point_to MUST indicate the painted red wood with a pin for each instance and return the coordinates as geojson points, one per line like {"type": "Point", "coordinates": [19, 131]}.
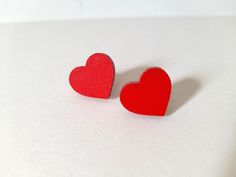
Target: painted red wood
{"type": "Point", "coordinates": [149, 96]}
{"type": "Point", "coordinates": [96, 78]}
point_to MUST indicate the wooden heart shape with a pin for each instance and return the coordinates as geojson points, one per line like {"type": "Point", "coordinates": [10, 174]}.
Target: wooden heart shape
{"type": "Point", "coordinates": [96, 78]}
{"type": "Point", "coordinates": [149, 96]}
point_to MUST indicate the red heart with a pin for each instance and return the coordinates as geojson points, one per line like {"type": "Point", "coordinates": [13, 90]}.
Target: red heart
{"type": "Point", "coordinates": [149, 96]}
{"type": "Point", "coordinates": [96, 78]}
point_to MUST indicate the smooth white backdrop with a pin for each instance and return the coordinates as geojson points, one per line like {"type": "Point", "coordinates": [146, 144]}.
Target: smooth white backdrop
{"type": "Point", "coordinates": [47, 130]}
{"type": "Point", "coordinates": [40, 10]}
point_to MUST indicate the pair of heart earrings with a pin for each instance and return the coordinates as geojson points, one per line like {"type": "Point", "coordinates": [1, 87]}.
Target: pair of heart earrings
{"type": "Point", "coordinates": [149, 96]}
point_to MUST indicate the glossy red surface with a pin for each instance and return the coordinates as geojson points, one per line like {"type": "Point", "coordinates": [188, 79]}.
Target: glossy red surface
{"type": "Point", "coordinates": [149, 96]}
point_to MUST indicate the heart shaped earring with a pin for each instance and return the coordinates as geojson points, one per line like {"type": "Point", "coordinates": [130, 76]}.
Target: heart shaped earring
{"type": "Point", "coordinates": [150, 95]}
{"type": "Point", "coordinates": [96, 78]}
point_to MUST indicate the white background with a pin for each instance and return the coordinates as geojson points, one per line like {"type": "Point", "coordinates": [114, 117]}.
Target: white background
{"type": "Point", "coordinates": [48, 130]}
{"type": "Point", "coordinates": [31, 10]}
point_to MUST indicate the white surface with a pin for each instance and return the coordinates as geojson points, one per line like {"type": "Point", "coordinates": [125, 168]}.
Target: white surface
{"type": "Point", "coordinates": [46, 129]}
{"type": "Point", "coordinates": [38, 10]}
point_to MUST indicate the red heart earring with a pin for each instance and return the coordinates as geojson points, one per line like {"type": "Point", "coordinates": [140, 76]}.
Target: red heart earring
{"type": "Point", "coordinates": [149, 96]}
{"type": "Point", "coordinates": [96, 78]}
